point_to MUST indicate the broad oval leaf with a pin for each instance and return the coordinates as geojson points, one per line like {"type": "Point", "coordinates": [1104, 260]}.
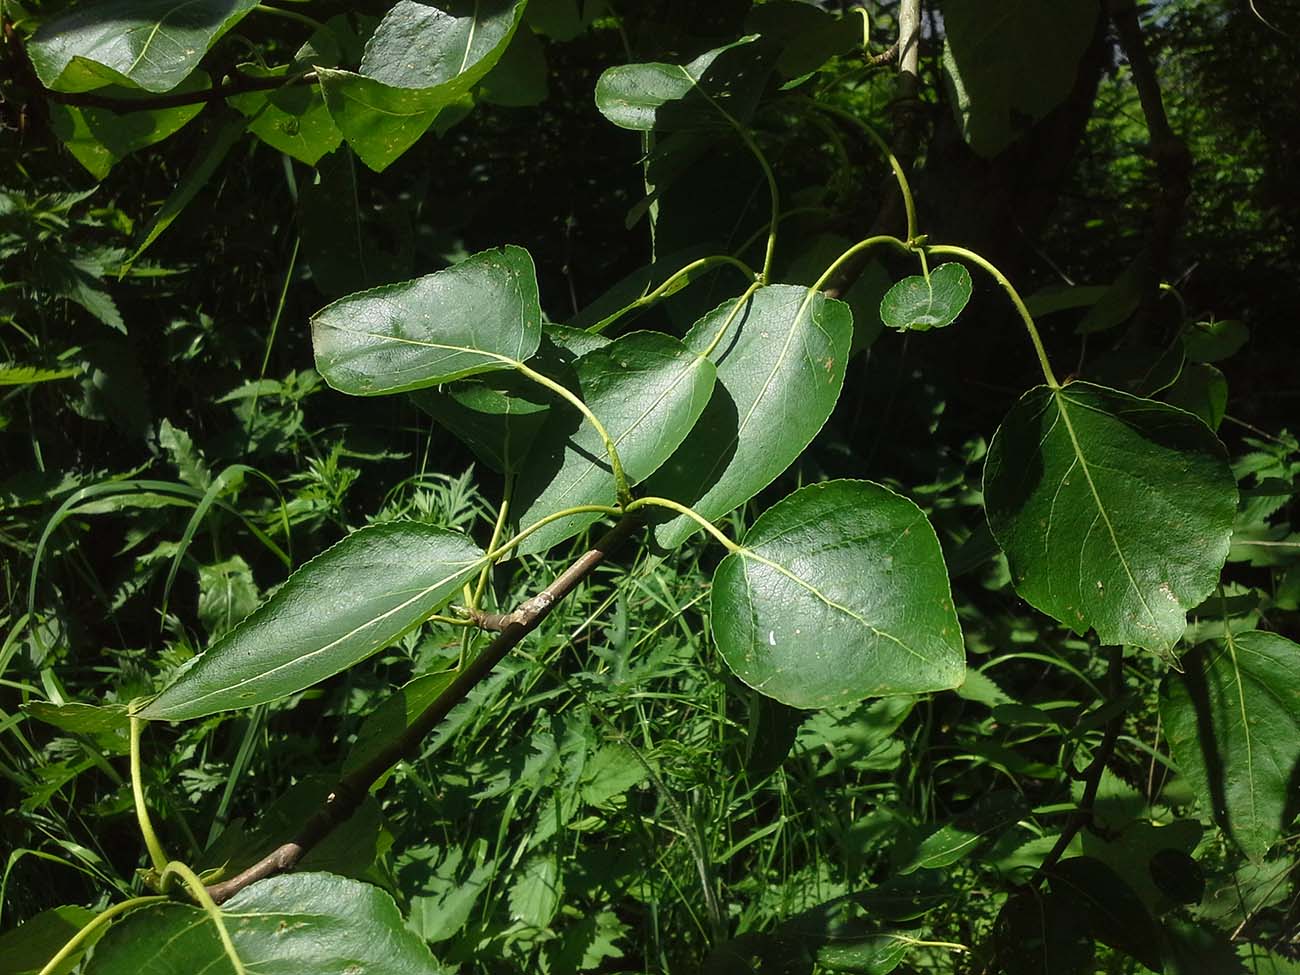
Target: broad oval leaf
{"type": "Point", "coordinates": [149, 44]}
{"type": "Point", "coordinates": [306, 922]}
{"type": "Point", "coordinates": [344, 605]}
{"type": "Point", "coordinates": [419, 61]}
{"type": "Point", "coordinates": [917, 304]}
{"type": "Point", "coordinates": [1114, 512]}
{"type": "Point", "coordinates": [1233, 722]}
{"type": "Point", "coordinates": [780, 371]}
{"type": "Point", "coordinates": [647, 389]}
{"type": "Point", "coordinates": [839, 593]}
{"type": "Point", "coordinates": [695, 95]}
{"type": "Point", "coordinates": [293, 119]}
{"type": "Point", "coordinates": [476, 316]}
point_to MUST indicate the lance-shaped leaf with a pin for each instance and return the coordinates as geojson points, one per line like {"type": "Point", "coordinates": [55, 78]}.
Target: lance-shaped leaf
{"type": "Point", "coordinates": [476, 316]}
{"type": "Point", "coordinates": [918, 303]}
{"type": "Point", "coordinates": [1233, 722]}
{"type": "Point", "coordinates": [647, 389]}
{"type": "Point", "coordinates": [418, 61]}
{"type": "Point", "coordinates": [344, 605]}
{"type": "Point", "coordinates": [726, 81]}
{"type": "Point", "coordinates": [780, 370]}
{"type": "Point", "coordinates": [307, 922]}
{"type": "Point", "coordinates": [838, 593]}
{"type": "Point", "coordinates": [149, 44]}
{"type": "Point", "coordinates": [1114, 512]}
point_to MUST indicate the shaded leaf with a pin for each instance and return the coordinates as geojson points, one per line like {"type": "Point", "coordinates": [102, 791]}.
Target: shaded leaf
{"type": "Point", "coordinates": [1114, 512]}
{"type": "Point", "coordinates": [1212, 341]}
{"type": "Point", "coordinates": [780, 369]}
{"type": "Point", "coordinates": [98, 138]}
{"type": "Point", "coordinates": [305, 922]}
{"type": "Point", "coordinates": [293, 118]}
{"type": "Point", "coordinates": [1115, 915]}
{"type": "Point", "coordinates": [647, 389]}
{"type": "Point", "coordinates": [1233, 722]}
{"type": "Point", "coordinates": [476, 316]}
{"type": "Point", "coordinates": [1036, 933]}
{"type": "Point", "coordinates": [535, 895]}
{"type": "Point", "coordinates": [391, 719]}
{"type": "Point", "coordinates": [838, 593]}
{"type": "Point", "coordinates": [347, 603]}
{"type": "Point", "coordinates": [1202, 391]}
{"type": "Point", "coordinates": [26, 949]}
{"type": "Point", "coordinates": [918, 304]}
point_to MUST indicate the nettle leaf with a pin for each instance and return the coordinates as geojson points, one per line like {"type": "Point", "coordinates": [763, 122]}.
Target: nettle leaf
{"type": "Point", "coordinates": [986, 64]}
{"type": "Point", "coordinates": [660, 96]}
{"type": "Point", "coordinates": [419, 61]}
{"type": "Point", "coordinates": [306, 922]}
{"type": "Point", "coordinates": [347, 603]}
{"type": "Point", "coordinates": [476, 316]}
{"type": "Point", "coordinates": [1114, 512]}
{"type": "Point", "coordinates": [838, 593]}
{"type": "Point", "coordinates": [918, 304]}
{"type": "Point", "coordinates": [780, 371]}
{"type": "Point", "coordinates": [149, 44]}
{"type": "Point", "coordinates": [648, 390]}
{"type": "Point", "coordinates": [1233, 722]}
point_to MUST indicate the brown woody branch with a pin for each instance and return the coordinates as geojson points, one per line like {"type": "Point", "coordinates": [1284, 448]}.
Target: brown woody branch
{"type": "Point", "coordinates": [352, 788]}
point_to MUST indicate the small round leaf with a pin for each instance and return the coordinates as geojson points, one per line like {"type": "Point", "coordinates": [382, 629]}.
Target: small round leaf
{"type": "Point", "coordinates": [839, 593]}
{"type": "Point", "coordinates": [918, 304]}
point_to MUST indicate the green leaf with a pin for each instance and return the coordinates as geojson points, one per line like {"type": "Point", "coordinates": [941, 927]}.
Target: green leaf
{"type": "Point", "coordinates": [307, 922]}
{"type": "Point", "coordinates": [519, 79]}
{"type": "Point", "coordinates": [447, 896]}
{"type": "Point", "coordinates": [227, 593]}
{"type": "Point", "coordinates": [15, 375]}
{"type": "Point", "coordinates": [1115, 915]}
{"type": "Point", "coordinates": [1114, 512]}
{"type": "Point", "coordinates": [1037, 933]}
{"type": "Point", "coordinates": [1119, 300]}
{"type": "Point", "coordinates": [918, 304]}
{"type": "Point", "coordinates": [214, 149]}
{"type": "Point", "coordinates": [535, 896]}
{"type": "Point", "coordinates": [611, 772]}
{"type": "Point", "coordinates": [98, 138]}
{"type": "Point", "coordinates": [149, 44]}
{"type": "Point", "coordinates": [1233, 722]}
{"type": "Point", "coordinates": [563, 20]}
{"type": "Point", "coordinates": [476, 316]}
{"type": "Point", "coordinates": [696, 95]}
{"type": "Point", "coordinates": [292, 119]}
{"type": "Point", "coordinates": [808, 37]}
{"type": "Point", "coordinates": [780, 371]}
{"type": "Point", "coordinates": [839, 593]}
{"type": "Point", "coordinates": [418, 61]}
{"type": "Point", "coordinates": [108, 724]}
{"type": "Point", "coordinates": [26, 949]}
{"type": "Point", "coordinates": [349, 602]}
{"type": "Point", "coordinates": [1017, 60]}
{"type": "Point", "coordinates": [1212, 341]}
{"type": "Point", "coordinates": [1202, 391]}
{"type": "Point", "coordinates": [648, 390]}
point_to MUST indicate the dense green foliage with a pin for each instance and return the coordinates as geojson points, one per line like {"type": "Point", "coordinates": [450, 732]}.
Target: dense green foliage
{"type": "Point", "coordinates": [335, 338]}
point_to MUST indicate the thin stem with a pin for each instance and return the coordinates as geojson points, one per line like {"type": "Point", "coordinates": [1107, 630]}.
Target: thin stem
{"type": "Point", "coordinates": [157, 856]}
{"type": "Point", "coordinates": [577, 509]}
{"type": "Point", "coordinates": [497, 530]}
{"type": "Point", "coordinates": [731, 317]}
{"type": "Point", "coordinates": [311, 22]}
{"type": "Point", "coordinates": [671, 285]}
{"type": "Point", "coordinates": [621, 487]}
{"type": "Point", "coordinates": [56, 963]}
{"type": "Point", "coordinates": [1016, 300]}
{"type": "Point", "coordinates": [900, 175]}
{"type": "Point", "coordinates": [856, 249]}
{"type": "Point", "coordinates": [200, 892]}
{"type": "Point", "coordinates": [681, 509]}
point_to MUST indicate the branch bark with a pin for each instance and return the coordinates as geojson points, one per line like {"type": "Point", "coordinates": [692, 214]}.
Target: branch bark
{"type": "Point", "coordinates": [352, 788]}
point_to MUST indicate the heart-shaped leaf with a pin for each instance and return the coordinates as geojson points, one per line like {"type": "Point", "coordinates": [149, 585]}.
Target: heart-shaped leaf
{"type": "Point", "coordinates": [780, 370]}
{"type": "Point", "coordinates": [306, 922]}
{"type": "Point", "coordinates": [838, 593]}
{"type": "Point", "coordinates": [149, 44]}
{"type": "Point", "coordinates": [1114, 512]}
{"type": "Point", "coordinates": [344, 605]}
{"type": "Point", "coordinates": [918, 303]}
{"type": "Point", "coordinates": [293, 119]}
{"type": "Point", "coordinates": [1212, 341]}
{"type": "Point", "coordinates": [647, 389]}
{"type": "Point", "coordinates": [476, 316]}
{"type": "Point", "coordinates": [1233, 722]}
{"type": "Point", "coordinates": [419, 61]}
